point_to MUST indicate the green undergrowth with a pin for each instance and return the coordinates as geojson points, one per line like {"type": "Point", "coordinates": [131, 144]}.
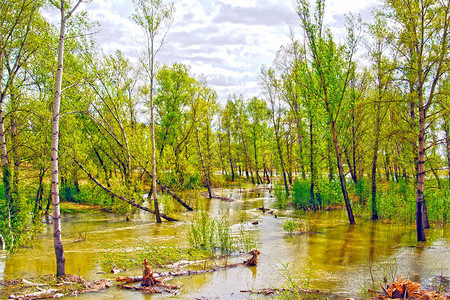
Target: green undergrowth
{"type": "Point", "coordinates": [207, 239]}
{"type": "Point", "coordinates": [216, 237]}
{"type": "Point", "coordinates": [396, 201]}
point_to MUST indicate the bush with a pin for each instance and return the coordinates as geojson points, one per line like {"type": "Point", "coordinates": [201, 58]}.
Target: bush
{"type": "Point", "coordinates": [301, 193]}
{"type": "Point", "coordinates": [280, 196]}
{"type": "Point", "coordinates": [214, 235]}
{"type": "Point", "coordinates": [329, 192]}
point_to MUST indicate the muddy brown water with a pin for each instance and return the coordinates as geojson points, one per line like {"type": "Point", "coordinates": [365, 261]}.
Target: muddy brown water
{"type": "Point", "coordinates": [343, 257]}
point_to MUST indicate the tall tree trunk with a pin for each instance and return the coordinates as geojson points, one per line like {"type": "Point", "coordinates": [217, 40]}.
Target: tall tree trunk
{"type": "Point", "coordinates": [152, 121]}
{"type": "Point", "coordinates": [280, 153]}
{"type": "Point", "coordinates": [247, 158]}
{"type": "Point", "coordinates": [15, 157]}
{"type": "Point", "coordinates": [330, 160]}
{"type": "Point", "coordinates": [447, 141]}
{"type": "Point", "coordinates": [230, 157]}
{"type": "Point", "coordinates": [348, 206]}
{"type": "Point", "coordinates": [375, 155]}
{"type": "Point", "coordinates": [6, 168]}
{"type": "Point", "coordinates": [59, 251]}
{"type": "Point", "coordinates": [420, 175]}
{"type": "Point", "coordinates": [208, 185]}
{"type": "Point", "coordinates": [311, 158]}
{"type": "Point", "coordinates": [350, 167]}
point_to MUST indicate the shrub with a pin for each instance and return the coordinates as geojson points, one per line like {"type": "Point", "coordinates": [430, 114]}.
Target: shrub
{"type": "Point", "coordinates": [280, 196]}
{"type": "Point", "coordinates": [301, 194]}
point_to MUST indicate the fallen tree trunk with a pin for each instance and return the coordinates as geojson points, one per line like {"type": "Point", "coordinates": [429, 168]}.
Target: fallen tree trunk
{"type": "Point", "coordinates": [253, 261]}
{"type": "Point", "coordinates": [131, 202]}
{"type": "Point", "coordinates": [163, 187]}
{"type": "Point", "coordinates": [166, 189]}
{"type": "Point", "coordinates": [213, 196]}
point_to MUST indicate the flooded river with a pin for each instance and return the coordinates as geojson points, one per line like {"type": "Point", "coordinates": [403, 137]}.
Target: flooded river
{"type": "Point", "coordinates": [341, 257]}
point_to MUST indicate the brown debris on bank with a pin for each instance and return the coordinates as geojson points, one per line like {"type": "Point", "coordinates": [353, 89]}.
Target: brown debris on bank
{"type": "Point", "coordinates": [153, 282]}
{"type": "Point", "coordinates": [50, 287]}
{"type": "Point", "coordinates": [406, 289]}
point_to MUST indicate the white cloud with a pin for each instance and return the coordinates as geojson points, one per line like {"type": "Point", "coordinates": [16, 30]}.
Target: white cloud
{"type": "Point", "coordinates": [226, 40]}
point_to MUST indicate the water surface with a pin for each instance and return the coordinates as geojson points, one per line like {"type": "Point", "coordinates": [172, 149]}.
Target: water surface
{"type": "Point", "coordinates": [341, 257]}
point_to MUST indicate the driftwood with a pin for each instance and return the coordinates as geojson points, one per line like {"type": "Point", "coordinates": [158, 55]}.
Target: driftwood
{"type": "Point", "coordinates": [69, 285]}
{"type": "Point", "coordinates": [214, 196]}
{"type": "Point", "coordinates": [150, 284]}
{"type": "Point", "coordinates": [50, 293]}
{"type": "Point", "coordinates": [149, 279]}
{"type": "Point", "coordinates": [253, 261]}
{"type": "Point", "coordinates": [131, 202]}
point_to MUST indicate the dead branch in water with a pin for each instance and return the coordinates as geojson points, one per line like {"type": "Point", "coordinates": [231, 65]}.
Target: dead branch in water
{"type": "Point", "coordinates": [214, 196]}
{"type": "Point", "coordinates": [253, 261]}
{"type": "Point", "coordinates": [131, 202]}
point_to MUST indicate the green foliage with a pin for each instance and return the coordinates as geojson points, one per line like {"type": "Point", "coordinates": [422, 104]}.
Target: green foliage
{"type": "Point", "coordinates": [193, 182]}
{"type": "Point", "coordinates": [290, 225]}
{"type": "Point", "coordinates": [201, 232]}
{"type": "Point", "coordinates": [363, 190]}
{"type": "Point", "coordinates": [438, 205]}
{"type": "Point", "coordinates": [246, 239]}
{"type": "Point", "coordinates": [281, 198]}
{"type": "Point", "coordinates": [301, 194]}
{"type": "Point", "coordinates": [397, 202]}
{"type": "Point", "coordinates": [329, 192]}
{"type": "Point", "coordinates": [214, 235]}
{"type": "Point", "coordinates": [297, 283]}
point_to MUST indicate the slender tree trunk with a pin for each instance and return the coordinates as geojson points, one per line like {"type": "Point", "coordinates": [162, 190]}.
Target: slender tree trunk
{"type": "Point", "coordinates": [6, 168]}
{"type": "Point", "coordinates": [311, 158]}
{"type": "Point", "coordinates": [447, 141]}
{"type": "Point", "coordinates": [420, 176]}
{"type": "Point", "coordinates": [15, 157]}
{"type": "Point", "coordinates": [230, 157]}
{"type": "Point", "coordinates": [152, 121]}
{"type": "Point", "coordinates": [375, 157]}
{"type": "Point", "coordinates": [247, 158]}
{"type": "Point", "coordinates": [330, 161]}
{"type": "Point", "coordinates": [280, 153]}
{"type": "Point", "coordinates": [59, 251]}
{"type": "Point", "coordinates": [350, 167]}
{"type": "Point", "coordinates": [266, 173]}
{"type": "Point", "coordinates": [208, 185]}
{"type": "Point", "coordinates": [341, 172]}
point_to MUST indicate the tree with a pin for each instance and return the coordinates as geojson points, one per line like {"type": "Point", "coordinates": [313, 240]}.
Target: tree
{"type": "Point", "coordinates": [18, 21]}
{"type": "Point", "coordinates": [270, 86]}
{"type": "Point", "coordinates": [66, 13]}
{"type": "Point", "coordinates": [422, 40]}
{"type": "Point", "coordinates": [383, 69]}
{"type": "Point", "coordinates": [334, 68]}
{"type": "Point", "coordinates": [155, 18]}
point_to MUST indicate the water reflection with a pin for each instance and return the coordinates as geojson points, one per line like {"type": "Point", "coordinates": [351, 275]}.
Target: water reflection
{"type": "Point", "coordinates": [341, 254]}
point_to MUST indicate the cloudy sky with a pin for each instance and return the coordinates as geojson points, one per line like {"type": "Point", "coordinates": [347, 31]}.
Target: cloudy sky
{"type": "Point", "coordinates": [227, 41]}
